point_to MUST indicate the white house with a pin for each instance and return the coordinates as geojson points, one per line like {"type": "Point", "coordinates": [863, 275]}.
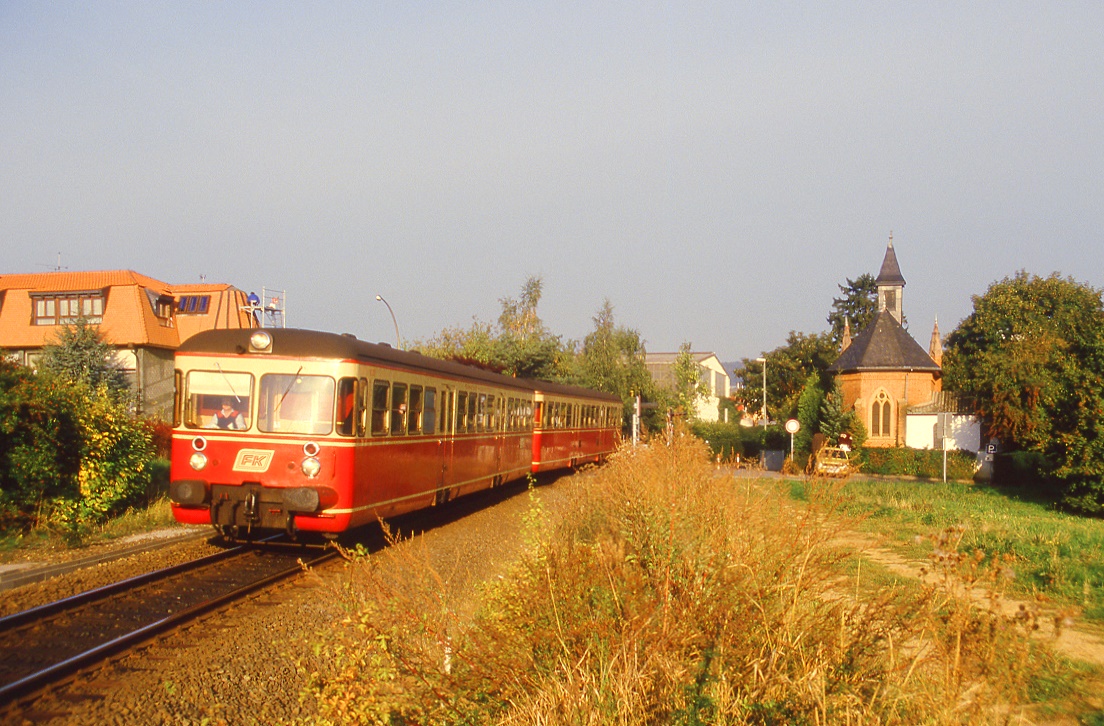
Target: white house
{"type": "Point", "coordinates": [661, 367]}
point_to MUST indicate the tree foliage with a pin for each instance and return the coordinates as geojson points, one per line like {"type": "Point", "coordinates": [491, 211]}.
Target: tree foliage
{"type": "Point", "coordinates": [1031, 356]}
{"type": "Point", "coordinates": [71, 454]}
{"type": "Point", "coordinates": [611, 359]}
{"type": "Point", "coordinates": [788, 367]}
{"type": "Point", "coordinates": [80, 354]}
{"type": "Point", "coordinates": [857, 306]}
{"type": "Point", "coordinates": [808, 412]}
{"type": "Point", "coordinates": [689, 386]}
{"type": "Point", "coordinates": [519, 344]}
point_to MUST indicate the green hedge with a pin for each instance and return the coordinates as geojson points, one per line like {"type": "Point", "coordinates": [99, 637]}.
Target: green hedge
{"type": "Point", "coordinates": [729, 439]}
{"type": "Point", "coordinates": [922, 463]}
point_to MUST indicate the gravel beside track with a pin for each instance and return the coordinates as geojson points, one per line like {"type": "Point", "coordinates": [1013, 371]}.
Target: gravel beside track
{"type": "Point", "coordinates": [238, 666]}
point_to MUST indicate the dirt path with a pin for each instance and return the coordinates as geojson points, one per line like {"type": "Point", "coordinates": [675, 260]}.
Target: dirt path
{"type": "Point", "coordinates": [1079, 641]}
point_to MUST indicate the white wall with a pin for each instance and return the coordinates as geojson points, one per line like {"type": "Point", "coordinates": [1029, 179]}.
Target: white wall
{"type": "Point", "coordinates": [920, 432]}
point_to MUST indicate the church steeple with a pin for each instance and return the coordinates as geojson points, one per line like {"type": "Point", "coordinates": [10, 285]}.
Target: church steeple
{"type": "Point", "coordinates": [935, 349]}
{"type": "Point", "coordinates": [890, 283]}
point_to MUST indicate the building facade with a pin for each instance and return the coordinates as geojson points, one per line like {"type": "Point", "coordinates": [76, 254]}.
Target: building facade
{"type": "Point", "coordinates": [145, 320]}
{"type": "Point", "coordinates": [884, 372]}
{"type": "Point", "coordinates": [661, 366]}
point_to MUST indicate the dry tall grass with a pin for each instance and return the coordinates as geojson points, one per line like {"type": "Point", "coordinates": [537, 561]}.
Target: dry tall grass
{"type": "Point", "coordinates": [671, 595]}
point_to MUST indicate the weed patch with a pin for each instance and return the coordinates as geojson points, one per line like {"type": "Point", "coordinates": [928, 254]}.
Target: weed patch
{"type": "Point", "coordinates": [667, 594]}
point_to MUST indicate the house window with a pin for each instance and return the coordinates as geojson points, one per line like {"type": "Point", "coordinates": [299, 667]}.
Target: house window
{"type": "Point", "coordinates": [65, 309]}
{"type": "Point", "coordinates": [193, 304]}
{"type": "Point", "coordinates": [881, 416]}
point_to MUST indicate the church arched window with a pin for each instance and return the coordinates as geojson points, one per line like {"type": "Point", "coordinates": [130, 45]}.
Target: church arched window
{"type": "Point", "coordinates": [881, 416]}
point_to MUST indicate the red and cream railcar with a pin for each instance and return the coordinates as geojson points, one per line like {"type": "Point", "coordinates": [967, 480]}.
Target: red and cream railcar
{"type": "Point", "coordinates": [303, 430]}
{"type": "Point", "coordinates": [571, 428]}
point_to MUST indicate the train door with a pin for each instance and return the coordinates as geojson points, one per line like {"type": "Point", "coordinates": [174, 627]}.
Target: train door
{"type": "Point", "coordinates": [538, 431]}
{"type": "Point", "coordinates": [446, 437]}
{"type": "Point", "coordinates": [495, 428]}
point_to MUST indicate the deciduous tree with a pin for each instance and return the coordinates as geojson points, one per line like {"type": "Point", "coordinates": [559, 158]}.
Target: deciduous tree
{"type": "Point", "coordinates": [788, 366]}
{"type": "Point", "coordinates": [519, 344]}
{"type": "Point", "coordinates": [611, 359]}
{"type": "Point", "coordinates": [689, 386]}
{"type": "Point", "coordinates": [1031, 355]}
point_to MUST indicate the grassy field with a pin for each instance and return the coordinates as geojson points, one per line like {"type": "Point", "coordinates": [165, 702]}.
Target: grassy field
{"type": "Point", "coordinates": [1051, 555]}
{"type": "Point", "coordinates": [671, 593]}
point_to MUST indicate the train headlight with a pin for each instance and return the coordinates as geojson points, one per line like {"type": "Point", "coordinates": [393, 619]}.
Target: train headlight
{"type": "Point", "coordinates": [198, 461]}
{"type": "Point", "coordinates": [260, 342]}
{"type": "Point", "coordinates": [311, 466]}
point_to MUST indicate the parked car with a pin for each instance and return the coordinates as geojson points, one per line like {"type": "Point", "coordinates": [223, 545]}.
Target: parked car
{"type": "Point", "coordinates": [833, 461]}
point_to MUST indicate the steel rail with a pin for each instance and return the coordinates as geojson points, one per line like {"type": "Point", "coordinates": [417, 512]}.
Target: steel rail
{"type": "Point", "coordinates": [9, 622]}
{"type": "Point", "coordinates": [72, 602]}
{"type": "Point", "coordinates": [35, 682]}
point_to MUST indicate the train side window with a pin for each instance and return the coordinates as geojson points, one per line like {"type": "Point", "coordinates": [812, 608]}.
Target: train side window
{"type": "Point", "coordinates": [346, 406]}
{"type": "Point", "coordinates": [414, 422]}
{"type": "Point", "coordinates": [472, 405]}
{"type": "Point", "coordinates": [491, 418]}
{"type": "Point", "coordinates": [461, 411]}
{"type": "Point", "coordinates": [449, 410]}
{"type": "Point", "coordinates": [538, 413]}
{"type": "Point", "coordinates": [511, 414]}
{"type": "Point", "coordinates": [380, 407]}
{"type": "Point", "coordinates": [398, 408]}
{"type": "Point", "coordinates": [362, 407]}
{"type": "Point", "coordinates": [429, 411]}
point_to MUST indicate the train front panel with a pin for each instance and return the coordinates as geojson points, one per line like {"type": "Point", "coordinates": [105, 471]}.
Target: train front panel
{"type": "Point", "coordinates": [257, 444]}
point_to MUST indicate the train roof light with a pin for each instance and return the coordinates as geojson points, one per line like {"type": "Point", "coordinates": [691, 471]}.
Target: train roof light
{"type": "Point", "coordinates": [260, 342]}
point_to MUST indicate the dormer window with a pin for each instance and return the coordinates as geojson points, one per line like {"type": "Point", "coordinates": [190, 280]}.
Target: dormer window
{"type": "Point", "coordinates": [193, 304]}
{"type": "Point", "coordinates": [162, 307]}
{"type": "Point", "coordinates": [66, 308]}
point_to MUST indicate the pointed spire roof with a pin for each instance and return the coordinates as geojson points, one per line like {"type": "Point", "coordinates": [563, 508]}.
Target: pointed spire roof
{"type": "Point", "coordinates": [890, 273]}
{"type": "Point", "coordinates": [846, 343]}
{"type": "Point", "coordinates": [884, 345]}
{"type": "Point", "coordinates": [935, 348]}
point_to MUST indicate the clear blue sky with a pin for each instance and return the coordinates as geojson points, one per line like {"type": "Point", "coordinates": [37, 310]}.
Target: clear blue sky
{"type": "Point", "coordinates": [714, 169]}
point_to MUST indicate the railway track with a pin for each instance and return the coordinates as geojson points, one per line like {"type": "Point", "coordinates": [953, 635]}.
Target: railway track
{"type": "Point", "coordinates": [48, 645]}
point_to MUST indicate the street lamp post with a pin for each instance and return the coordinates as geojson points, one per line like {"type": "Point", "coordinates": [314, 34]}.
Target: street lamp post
{"type": "Point", "coordinates": [764, 362]}
{"type": "Point", "coordinates": [398, 338]}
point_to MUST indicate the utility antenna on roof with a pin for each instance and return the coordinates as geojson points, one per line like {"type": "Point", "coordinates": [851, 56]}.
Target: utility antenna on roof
{"type": "Point", "coordinates": [57, 267]}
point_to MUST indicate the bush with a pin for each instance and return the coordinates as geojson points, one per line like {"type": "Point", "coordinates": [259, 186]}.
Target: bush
{"type": "Point", "coordinates": [71, 455]}
{"type": "Point", "coordinates": [729, 439]}
{"type": "Point", "coordinates": [922, 463]}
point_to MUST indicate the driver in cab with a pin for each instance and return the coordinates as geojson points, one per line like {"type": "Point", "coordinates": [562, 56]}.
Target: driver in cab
{"type": "Point", "coordinates": [228, 417]}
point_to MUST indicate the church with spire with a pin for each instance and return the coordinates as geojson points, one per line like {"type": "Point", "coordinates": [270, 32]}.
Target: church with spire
{"type": "Point", "coordinates": [883, 372]}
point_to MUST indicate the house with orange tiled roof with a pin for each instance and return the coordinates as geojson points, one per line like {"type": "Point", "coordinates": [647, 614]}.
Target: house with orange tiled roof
{"type": "Point", "coordinates": [144, 319]}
